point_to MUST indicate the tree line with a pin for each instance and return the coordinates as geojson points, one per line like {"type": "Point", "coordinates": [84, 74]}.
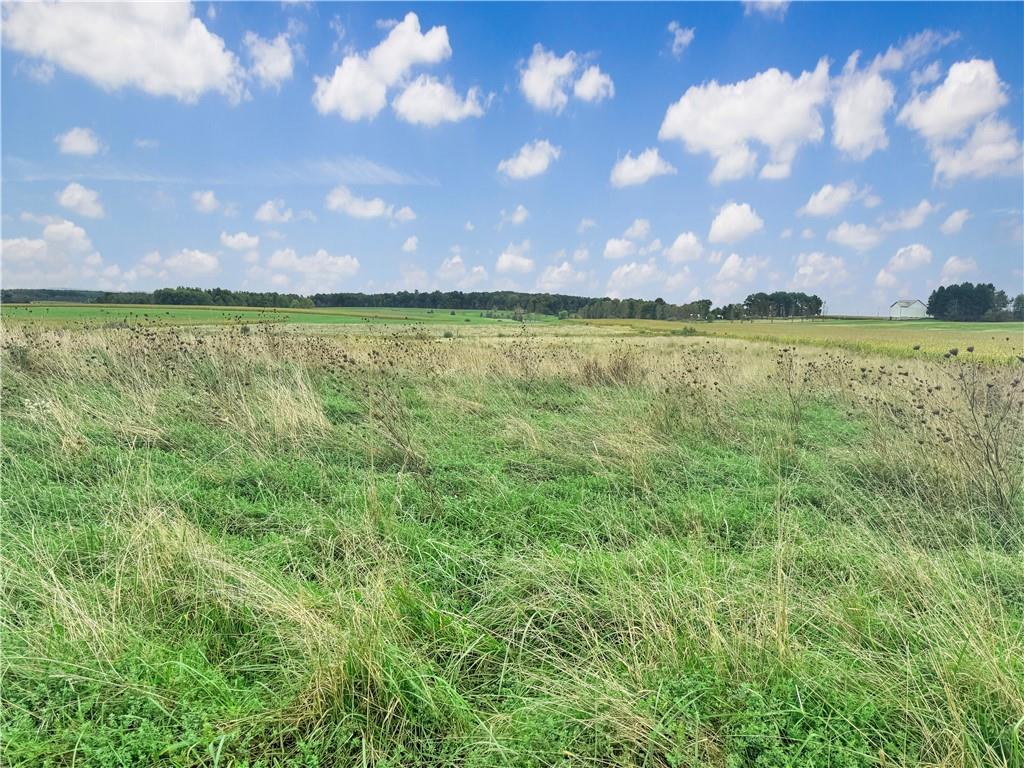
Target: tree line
{"type": "Point", "coordinates": [967, 302]}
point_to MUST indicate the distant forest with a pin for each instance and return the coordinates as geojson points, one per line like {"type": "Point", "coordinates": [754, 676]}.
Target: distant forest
{"type": "Point", "coordinates": [777, 304]}
{"type": "Point", "coordinates": [956, 302]}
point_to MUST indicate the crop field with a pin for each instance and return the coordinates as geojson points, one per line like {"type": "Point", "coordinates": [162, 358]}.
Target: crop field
{"type": "Point", "coordinates": [504, 544]}
{"type": "Point", "coordinates": [906, 338]}
{"type": "Point", "coordinates": [148, 315]}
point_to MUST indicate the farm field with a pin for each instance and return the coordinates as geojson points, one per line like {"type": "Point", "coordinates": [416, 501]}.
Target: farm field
{"type": "Point", "coordinates": [998, 341]}
{"type": "Point", "coordinates": [498, 544]}
{"type": "Point", "coordinates": [148, 314]}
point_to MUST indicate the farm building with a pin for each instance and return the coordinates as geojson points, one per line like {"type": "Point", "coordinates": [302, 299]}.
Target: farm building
{"type": "Point", "coordinates": [907, 309]}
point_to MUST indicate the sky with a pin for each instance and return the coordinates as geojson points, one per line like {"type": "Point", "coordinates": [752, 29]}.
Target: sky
{"type": "Point", "coordinates": [863, 152]}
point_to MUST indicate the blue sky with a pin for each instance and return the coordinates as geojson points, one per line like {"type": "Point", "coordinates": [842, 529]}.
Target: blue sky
{"type": "Point", "coordinates": [674, 150]}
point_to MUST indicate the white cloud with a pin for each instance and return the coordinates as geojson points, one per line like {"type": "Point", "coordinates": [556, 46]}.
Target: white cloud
{"type": "Point", "coordinates": [631, 276]}
{"type": "Point", "coordinates": [807, 233]}
{"type": "Point", "coordinates": [531, 160]}
{"type": "Point", "coordinates": [145, 143]}
{"type": "Point", "coordinates": [911, 218]}
{"type": "Point", "coordinates": [619, 248]}
{"type": "Point", "coordinates": [860, 237]}
{"type": "Point", "coordinates": [272, 60]}
{"type": "Point", "coordinates": [411, 244]}
{"type": "Point", "coordinates": [829, 200]}
{"type": "Point", "coordinates": [189, 262]}
{"type": "Point", "coordinates": [885, 278]}
{"type": "Point", "coordinates": [681, 37]}
{"type": "Point", "coordinates": [814, 270]}
{"type": "Point", "coordinates": [357, 90]}
{"type": "Point", "coordinates": [630, 170]}
{"type": "Point", "coordinates": [955, 221]}
{"type": "Point", "coordinates": [78, 141]}
{"type": "Point", "coordinates": [342, 200]}
{"type": "Point", "coordinates": [240, 241]}
{"type": "Point", "coordinates": [686, 247]}
{"type": "Point", "coordinates": [594, 85]}
{"type": "Point", "coordinates": [273, 212]}
{"type": "Point", "coordinates": [734, 222]}
{"type": "Point", "coordinates": [560, 278]}
{"type": "Point", "coordinates": [405, 214]}
{"type": "Point", "coordinates": [546, 79]}
{"type": "Point", "coordinates": [581, 254]}
{"type": "Point", "coordinates": [772, 108]}
{"type": "Point", "coordinates": [453, 272]}
{"type": "Point", "coordinates": [971, 90]}
{"type": "Point", "coordinates": [955, 268]}
{"type": "Point", "coordinates": [81, 200]}
{"type": "Point", "coordinates": [159, 48]}
{"type": "Point", "coordinates": [961, 107]}
{"type": "Point", "coordinates": [863, 98]}
{"type": "Point", "coordinates": [910, 257]}
{"type": "Point", "coordinates": [317, 272]}
{"type": "Point", "coordinates": [205, 201]}
{"type": "Point", "coordinates": [786, 233]}
{"type": "Point", "coordinates": [993, 149]}
{"type": "Point", "coordinates": [429, 101]}
{"type": "Point", "coordinates": [517, 217]}
{"type": "Point", "coordinates": [514, 259]}
{"type": "Point", "coordinates": [468, 226]}
{"type": "Point", "coordinates": [638, 230]}
{"type": "Point", "coordinates": [736, 268]}
{"type": "Point", "coordinates": [584, 225]}
{"type": "Point", "coordinates": [773, 9]}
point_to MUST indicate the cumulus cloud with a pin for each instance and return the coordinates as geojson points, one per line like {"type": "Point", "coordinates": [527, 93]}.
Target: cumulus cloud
{"type": "Point", "coordinates": [81, 200]}
{"type": "Point", "coordinates": [829, 200]}
{"type": "Point", "coordinates": [411, 244]}
{"type": "Point", "coordinates": [686, 247]}
{"type": "Point", "coordinates": [629, 170]}
{"type": "Point", "coordinates": [619, 248]}
{"type": "Point", "coordinates": [681, 37]}
{"type": "Point", "coordinates": [240, 241]}
{"type": "Point", "coordinates": [316, 272]}
{"type": "Point", "coordinates": [531, 160]}
{"type": "Point", "coordinates": [205, 201]}
{"type": "Point", "coordinates": [584, 225]}
{"type": "Point", "coordinates": [190, 262]}
{"type": "Point", "coordinates": [273, 212]}
{"type": "Point", "coordinates": [773, 108]}
{"type": "Point", "coordinates": [357, 90]}
{"type": "Point", "coordinates": [556, 279]}
{"type": "Point", "coordinates": [956, 268]}
{"type": "Point", "coordinates": [955, 221]}
{"type": "Point", "coordinates": [453, 272]}
{"type": "Point", "coordinates": [910, 257]}
{"type": "Point", "coordinates": [518, 215]}
{"type": "Point", "coordinates": [640, 229]}
{"type": "Point", "coordinates": [958, 121]}
{"type": "Point", "coordinates": [860, 237]}
{"type": "Point", "coordinates": [342, 200]}
{"type": "Point", "coordinates": [863, 98]}
{"type": "Point", "coordinates": [78, 141]}
{"type": "Point", "coordinates": [815, 270]}
{"type": "Point", "coordinates": [910, 218]}
{"type": "Point", "coordinates": [734, 222]}
{"type": "Point", "coordinates": [272, 60]}
{"type": "Point", "coordinates": [62, 255]}
{"type": "Point", "coordinates": [546, 78]}
{"type": "Point", "coordinates": [160, 48]}
{"type": "Point", "coordinates": [632, 276]}
{"type": "Point", "coordinates": [594, 85]}
{"type": "Point", "coordinates": [514, 259]}
{"type": "Point", "coordinates": [773, 9]}
{"type": "Point", "coordinates": [429, 101]}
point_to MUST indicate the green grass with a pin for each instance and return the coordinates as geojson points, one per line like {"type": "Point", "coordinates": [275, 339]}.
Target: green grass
{"type": "Point", "coordinates": [138, 314]}
{"type": "Point", "coordinates": [250, 551]}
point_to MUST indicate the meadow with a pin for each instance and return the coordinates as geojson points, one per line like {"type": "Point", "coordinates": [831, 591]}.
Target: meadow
{"type": "Point", "coordinates": [505, 544]}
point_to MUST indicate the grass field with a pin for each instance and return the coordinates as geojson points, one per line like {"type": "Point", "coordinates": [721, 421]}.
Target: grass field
{"type": "Point", "coordinates": [505, 545]}
{"type": "Point", "coordinates": [145, 314]}
{"type": "Point", "coordinates": [997, 341]}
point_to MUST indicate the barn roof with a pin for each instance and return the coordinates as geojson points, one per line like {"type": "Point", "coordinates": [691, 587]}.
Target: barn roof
{"type": "Point", "coordinates": [904, 303]}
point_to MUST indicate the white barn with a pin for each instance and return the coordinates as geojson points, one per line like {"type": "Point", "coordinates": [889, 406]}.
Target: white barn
{"type": "Point", "coordinates": [907, 309]}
